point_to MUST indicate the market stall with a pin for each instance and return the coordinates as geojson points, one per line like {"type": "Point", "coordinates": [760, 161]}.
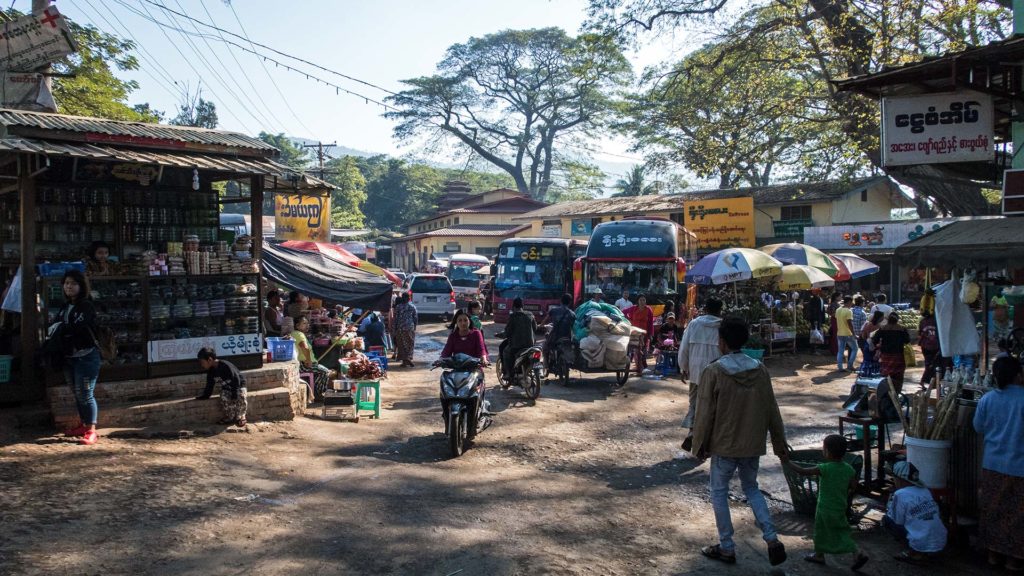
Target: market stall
{"type": "Point", "coordinates": [150, 195]}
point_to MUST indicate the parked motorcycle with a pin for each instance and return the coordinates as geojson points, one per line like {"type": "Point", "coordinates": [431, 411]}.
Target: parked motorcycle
{"type": "Point", "coordinates": [462, 400]}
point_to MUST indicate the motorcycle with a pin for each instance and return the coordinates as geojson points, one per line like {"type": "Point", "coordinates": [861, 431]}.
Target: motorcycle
{"type": "Point", "coordinates": [462, 400]}
{"type": "Point", "coordinates": [528, 371]}
{"type": "Point", "coordinates": [560, 359]}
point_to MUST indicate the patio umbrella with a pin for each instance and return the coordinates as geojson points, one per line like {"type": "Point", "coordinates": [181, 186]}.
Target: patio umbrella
{"type": "Point", "coordinates": [800, 277]}
{"type": "Point", "coordinates": [339, 254]}
{"type": "Point", "coordinates": [733, 265]}
{"type": "Point", "coordinates": [852, 266]}
{"type": "Point", "coordinates": [796, 253]}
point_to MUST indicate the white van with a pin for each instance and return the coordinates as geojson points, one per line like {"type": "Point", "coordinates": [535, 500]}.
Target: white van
{"type": "Point", "coordinates": [431, 294]}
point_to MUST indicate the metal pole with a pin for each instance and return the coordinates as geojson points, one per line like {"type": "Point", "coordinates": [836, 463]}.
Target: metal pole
{"type": "Point", "coordinates": [1016, 126]}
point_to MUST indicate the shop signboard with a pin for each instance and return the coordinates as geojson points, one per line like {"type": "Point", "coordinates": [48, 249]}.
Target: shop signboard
{"type": "Point", "coordinates": [302, 217]}
{"type": "Point", "coordinates": [34, 40]}
{"type": "Point", "coordinates": [26, 92]}
{"type": "Point", "coordinates": [188, 348]}
{"type": "Point", "coordinates": [937, 128]}
{"type": "Point", "coordinates": [584, 227]}
{"type": "Point", "coordinates": [551, 231]}
{"type": "Point", "coordinates": [724, 223]}
{"type": "Point", "coordinates": [887, 235]}
{"type": "Point", "coordinates": [1013, 192]}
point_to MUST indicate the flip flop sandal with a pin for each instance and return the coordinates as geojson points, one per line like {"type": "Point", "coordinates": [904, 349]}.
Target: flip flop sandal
{"type": "Point", "coordinates": [859, 563]}
{"type": "Point", "coordinates": [776, 553]}
{"type": "Point", "coordinates": [715, 553]}
{"type": "Point", "coordinates": [814, 559]}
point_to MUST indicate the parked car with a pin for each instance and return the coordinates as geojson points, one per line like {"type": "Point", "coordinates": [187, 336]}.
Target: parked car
{"type": "Point", "coordinates": [432, 294]}
{"type": "Point", "coordinates": [400, 273]}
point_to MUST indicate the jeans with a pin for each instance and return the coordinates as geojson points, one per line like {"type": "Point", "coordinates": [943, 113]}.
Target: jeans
{"type": "Point", "coordinates": [844, 342]}
{"type": "Point", "coordinates": [81, 373]}
{"type": "Point", "coordinates": [722, 469]}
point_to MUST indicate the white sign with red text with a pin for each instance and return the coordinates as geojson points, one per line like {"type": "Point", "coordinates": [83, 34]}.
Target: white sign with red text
{"type": "Point", "coordinates": [937, 128]}
{"type": "Point", "coordinates": [188, 348]}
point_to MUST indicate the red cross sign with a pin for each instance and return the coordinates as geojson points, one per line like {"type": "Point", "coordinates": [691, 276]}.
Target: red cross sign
{"type": "Point", "coordinates": [50, 19]}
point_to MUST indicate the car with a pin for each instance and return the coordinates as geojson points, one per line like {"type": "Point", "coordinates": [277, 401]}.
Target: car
{"type": "Point", "coordinates": [432, 294]}
{"type": "Point", "coordinates": [399, 273]}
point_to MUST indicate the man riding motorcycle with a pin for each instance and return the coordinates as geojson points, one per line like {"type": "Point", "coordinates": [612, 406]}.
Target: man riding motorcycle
{"type": "Point", "coordinates": [519, 333]}
{"type": "Point", "coordinates": [561, 319]}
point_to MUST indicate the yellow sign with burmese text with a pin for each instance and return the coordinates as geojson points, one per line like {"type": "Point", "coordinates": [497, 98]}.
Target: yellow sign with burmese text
{"type": "Point", "coordinates": [725, 223]}
{"type": "Point", "coordinates": [301, 217]}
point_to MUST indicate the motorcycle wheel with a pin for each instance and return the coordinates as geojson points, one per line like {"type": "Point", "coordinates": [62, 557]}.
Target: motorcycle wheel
{"type": "Point", "coordinates": [457, 434]}
{"type": "Point", "coordinates": [531, 386]}
{"type": "Point", "coordinates": [563, 371]}
{"type": "Point", "coordinates": [500, 369]}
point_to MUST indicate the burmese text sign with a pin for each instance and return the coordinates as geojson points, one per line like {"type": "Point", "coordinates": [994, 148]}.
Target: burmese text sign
{"type": "Point", "coordinates": [34, 40]}
{"type": "Point", "coordinates": [725, 223]}
{"type": "Point", "coordinates": [302, 217]}
{"type": "Point", "coordinates": [188, 348]}
{"type": "Point", "coordinates": [937, 128]}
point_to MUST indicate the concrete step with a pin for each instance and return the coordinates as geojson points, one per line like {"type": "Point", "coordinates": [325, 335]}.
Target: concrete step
{"type": "Point", "coordinates": [279, 403]}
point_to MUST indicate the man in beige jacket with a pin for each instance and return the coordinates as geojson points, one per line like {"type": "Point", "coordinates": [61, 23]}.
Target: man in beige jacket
{"type": "Point", "coordinates": [736, 409]}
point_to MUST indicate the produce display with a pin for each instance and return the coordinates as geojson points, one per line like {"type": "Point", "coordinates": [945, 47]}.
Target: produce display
{"type": "Point", "coordinates": [909, 318]}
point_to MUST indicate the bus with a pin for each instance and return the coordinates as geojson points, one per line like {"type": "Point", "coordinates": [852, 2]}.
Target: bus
{"type": "Point", "coordinates": [536, 270]}
{"type": "Point", "coordinates": [644, 255]}
{"type": "Point", "coordinates": [462, 273]}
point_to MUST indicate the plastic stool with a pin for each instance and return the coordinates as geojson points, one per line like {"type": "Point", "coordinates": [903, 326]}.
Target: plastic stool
{"type": "Point", "coordinates": [378, 350]}
{"type": "Point", "coordinates": [362, 404]}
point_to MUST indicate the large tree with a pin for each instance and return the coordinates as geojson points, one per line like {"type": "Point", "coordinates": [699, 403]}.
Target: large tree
{"type": "Point", "coordinates": [350, 193]}
{"type": "Point", "coordinates": [826, 40]}
{"type": "Point", "coordinates": [196, 111]}
{"type": "Point", "coordinates": [514, 98]}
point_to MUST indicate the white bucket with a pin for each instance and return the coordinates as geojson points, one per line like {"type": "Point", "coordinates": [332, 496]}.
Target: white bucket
{"type": "Point", "coordinates": [931, 458]}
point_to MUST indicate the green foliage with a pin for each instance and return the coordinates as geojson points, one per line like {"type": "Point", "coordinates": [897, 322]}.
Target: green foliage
{"type": "Point", "coordinates": [784, 55]}
{"type": "Point", "coordinates": [347, 200]}
{"type": "Point", "coordinates": [196, 111]}
{"type": "Point", "coordinates": [93, 88]}
{"type": "Point", "coordinates": [291, 155]}
{"type": "Point", "coordinates": [634, 184]}
{"type": "Point", "coordinates": [576, 180]}
{"type": "Point", "coordinates": [513, 98]}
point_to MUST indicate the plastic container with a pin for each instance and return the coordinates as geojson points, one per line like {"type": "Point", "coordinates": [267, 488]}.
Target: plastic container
{"type": "Point", "coordinates": [931, 457]}
{"type": "Point", "coordinates": [5, 368]}
{"type": "Point", "coordinates": [281, 350]}
{"type": "Point", "coordinates": [755, 353]}
{"type": "Point", "coordinates": [58, 268]}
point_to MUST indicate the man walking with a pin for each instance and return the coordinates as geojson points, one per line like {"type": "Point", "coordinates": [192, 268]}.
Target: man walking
{"type": "Point", "coordinates": [846, 335]}
{"type": "Point", "coordinates": [697, 349]}
{"type": "Point", "coordinates": [736, 410]}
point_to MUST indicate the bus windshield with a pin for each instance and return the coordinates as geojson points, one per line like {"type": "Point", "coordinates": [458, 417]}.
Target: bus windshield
{"type": "Point", "coordinates": [464, 275]}
{"type": "Point", "coordinates": [539, 268]}
{"type": "Point", "coordinates": [651, 278]}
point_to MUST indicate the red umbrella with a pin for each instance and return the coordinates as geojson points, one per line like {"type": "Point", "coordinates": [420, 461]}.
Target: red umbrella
{"type": "Point", "coordinates": [338, 253]}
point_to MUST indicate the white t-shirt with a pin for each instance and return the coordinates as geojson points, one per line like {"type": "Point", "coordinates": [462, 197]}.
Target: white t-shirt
{"type": "Point", "coordinates": [914, 508]}
{"type": "Point", "coordinates": [622, 303]}
{"type": "Point", "coordinates": [885, 308]}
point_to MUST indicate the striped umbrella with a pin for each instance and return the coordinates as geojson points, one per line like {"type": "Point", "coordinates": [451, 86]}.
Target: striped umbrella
{"type": "Point", "coordinates": [800, 277]}
{"type": "Point", "coordinates": [733, 265]}
{"type": "Point", "coordinates": [852, 266]}
{"type": "Point", "coordinates": [796, 253]}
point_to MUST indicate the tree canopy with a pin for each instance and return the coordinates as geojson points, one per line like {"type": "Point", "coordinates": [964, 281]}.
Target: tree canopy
{"type": "Point", "coordinates": [291, 155]}
{"type": "Point", "coordinates": [806, 44]}
{"type": "Point", "coordinates": [514, 98]}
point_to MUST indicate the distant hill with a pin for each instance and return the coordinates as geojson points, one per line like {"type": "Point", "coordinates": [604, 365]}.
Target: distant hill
{"type": "Point", "coordinates": [337, 151]}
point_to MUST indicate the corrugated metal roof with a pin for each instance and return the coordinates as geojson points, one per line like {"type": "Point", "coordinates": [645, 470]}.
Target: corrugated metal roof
{"type": "Point", "coordinates": [993, 243]}
{"type": "Point", "coordinates": [283, 177]}
{"type": "Point", "coordinates": [469, 230]}
{"type": "Point", "coordinates": [643, 205]}
{"type": "Point", "coordinates": [100, 129]}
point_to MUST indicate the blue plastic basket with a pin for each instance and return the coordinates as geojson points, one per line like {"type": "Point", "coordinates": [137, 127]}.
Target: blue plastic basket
{"type": "Point", "coordinates": [58, 268]}
{"type": "Point", "coordinates": [281, 350]}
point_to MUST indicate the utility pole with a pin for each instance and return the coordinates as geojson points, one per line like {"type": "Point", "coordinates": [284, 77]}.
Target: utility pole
{"type": "Point", "coordinates": [1017, 125]}
{"type": "Point", "coordinates": [39, 6]}
{"type": "Point", "coordinates": [320, 153]}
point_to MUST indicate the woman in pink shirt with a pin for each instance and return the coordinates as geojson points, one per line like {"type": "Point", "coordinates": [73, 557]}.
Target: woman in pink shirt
{"type": "Point", "coordinates": [465, 339]}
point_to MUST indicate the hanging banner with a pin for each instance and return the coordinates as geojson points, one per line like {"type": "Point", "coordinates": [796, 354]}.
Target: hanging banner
{"type": "Point", "coordinates": [551, 230]}
{"type": "Point", "coordinates": [937, 128]}
{"type": "Point", "coordinates": [26, 92]}
{"type": "Point", "coordinates": [298, 217]}
{"type": "Point", "coordinates": [34, 40]}
{"type": "Point", "coordinates": [726, 223]}
{"type": "Point", "coordinates": [854, 237]}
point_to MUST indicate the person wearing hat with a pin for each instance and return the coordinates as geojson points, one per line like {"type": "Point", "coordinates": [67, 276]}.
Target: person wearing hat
{"type": "Point", "coordinates": [597, 295]}
{"type": "Point", "coordinates": [913, 516]}
{"type": "Point", "coordinates": [670, 329]}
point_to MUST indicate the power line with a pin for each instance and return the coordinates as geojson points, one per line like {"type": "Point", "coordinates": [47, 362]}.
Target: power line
{"type": "Point", "coordinates": [264, 66]}
{"type": "Point", "coordinates": [265, 47]}
{"type": "Point", "coordinates": [189, 63]}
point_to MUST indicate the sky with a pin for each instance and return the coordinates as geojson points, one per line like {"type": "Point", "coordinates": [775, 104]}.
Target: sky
{"type": "Point", "coordinates": [378, 42]}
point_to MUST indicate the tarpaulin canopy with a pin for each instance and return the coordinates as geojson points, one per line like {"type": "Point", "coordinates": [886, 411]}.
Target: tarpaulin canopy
{"type": "Point", "coordinates": [319, 276]}
{"type": "Point", "coordinates": [338, 253]}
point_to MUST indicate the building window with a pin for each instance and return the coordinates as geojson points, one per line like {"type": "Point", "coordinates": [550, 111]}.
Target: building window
{"type": "Point", "coordinates": [456, 220]}
{"type": "Point", "coordinates": [594, 222]}
{"type": "Point", "coordinates": [802, 212]}
{"type": "Point", "coordinates": [864, 195]}
{"type": "Point", "coordinates": [678, 218]}
{"type": "Point", "coordinates": [489, 252]}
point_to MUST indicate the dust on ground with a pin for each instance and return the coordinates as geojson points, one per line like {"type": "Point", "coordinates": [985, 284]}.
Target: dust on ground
{"type": "Point", "coordinates": [583, 482]}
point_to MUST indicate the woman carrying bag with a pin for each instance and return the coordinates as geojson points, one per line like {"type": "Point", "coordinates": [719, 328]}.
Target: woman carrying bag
{"type": "Point", "coordinates": [81, 354]}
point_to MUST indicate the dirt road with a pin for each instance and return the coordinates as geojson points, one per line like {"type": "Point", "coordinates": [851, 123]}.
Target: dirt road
{"type": "Point", "coordinates": [583, 482]}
